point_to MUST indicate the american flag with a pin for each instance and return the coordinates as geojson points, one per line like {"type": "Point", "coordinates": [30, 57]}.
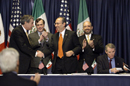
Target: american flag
{"type": "Point", "coordinates": [64, 12]}
{"type": "Point", "coordinates": [15, 17]}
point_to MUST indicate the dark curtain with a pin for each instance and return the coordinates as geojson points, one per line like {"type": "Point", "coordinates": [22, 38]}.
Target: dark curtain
{"type": "Point", "coordinates": [110, 19]}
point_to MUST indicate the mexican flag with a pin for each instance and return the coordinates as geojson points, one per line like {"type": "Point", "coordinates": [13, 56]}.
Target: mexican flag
{"type": "Point", "coordinates": [94, 64]}
{"type": "Point", "coordinates": [82, 17]}
{"type": "Point", "coordinates": [38, 12]}
{"type": "Point", "coordinates": [2, 36]}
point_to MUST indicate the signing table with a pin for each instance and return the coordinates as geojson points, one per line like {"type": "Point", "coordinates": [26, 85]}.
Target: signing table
{"type": "Point", "coordinates": [83, 79]}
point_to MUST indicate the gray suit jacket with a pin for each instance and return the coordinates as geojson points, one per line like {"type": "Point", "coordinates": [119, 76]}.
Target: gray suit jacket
{"type": "Point", "coordinates": [33, 37]}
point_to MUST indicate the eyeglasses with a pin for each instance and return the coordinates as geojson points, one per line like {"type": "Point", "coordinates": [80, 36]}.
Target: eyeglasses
{"type": "Point", "coordinates": [56, 23]}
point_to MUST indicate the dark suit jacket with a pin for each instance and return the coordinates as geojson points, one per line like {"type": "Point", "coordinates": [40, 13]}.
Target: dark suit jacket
{"type": "Point", "coordinates": [70, 42]}
{"type": "Point", "coordinates": [103, 64]}
{"type": "Point", "coordinates": [89, 55]}
{"type": "Point", "coordinates": [11, 79]}
{"type": "Point", "coordinates": [33, 37]}
{"type": "Point", "coordinates": [19, 41]}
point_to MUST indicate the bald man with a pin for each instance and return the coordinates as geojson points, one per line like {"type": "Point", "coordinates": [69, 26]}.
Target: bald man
{"type": "Point", "coordinates": [92, 46]}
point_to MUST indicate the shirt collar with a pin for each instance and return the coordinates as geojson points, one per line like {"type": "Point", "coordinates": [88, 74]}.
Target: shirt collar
{"type": "Point", "coordinates": [89, 35]}
{"type": "Point", "coordinates": [24, 29]}
{"type": "Point", "coordinates": [63, 32]}
{"type": "Point", "coordinates": [109, 58]}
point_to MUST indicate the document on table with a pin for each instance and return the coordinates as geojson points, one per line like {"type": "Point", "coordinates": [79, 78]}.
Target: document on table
{"type": "Point", "coordinates": [120, 69]}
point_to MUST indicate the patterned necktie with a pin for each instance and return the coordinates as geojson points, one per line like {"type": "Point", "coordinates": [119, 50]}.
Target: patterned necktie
{"type": "Point", "coordinates": [60, 50]}
{"type": "Point", "coordinates": [110, 64]}
{"type": "Point", "coordinates": [88, 38]}
{"type": "Point", "coordinates": [27, 35]}
{"type": "Point", "coordinates": [40, 33]}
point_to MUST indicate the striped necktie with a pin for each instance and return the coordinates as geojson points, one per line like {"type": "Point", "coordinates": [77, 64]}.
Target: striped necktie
{"type": "Point", "coordinates": [27, 35]}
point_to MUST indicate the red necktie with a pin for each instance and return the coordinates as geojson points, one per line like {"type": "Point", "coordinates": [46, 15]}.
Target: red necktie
{"type": "Point", "coordinates": [60, 50]}
{"type": "Point", "coordinates": [110, 64]}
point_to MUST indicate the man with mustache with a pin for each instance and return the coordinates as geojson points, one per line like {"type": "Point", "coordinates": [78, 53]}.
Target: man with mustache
{"type": "Point", "coordinates": [92, 46]}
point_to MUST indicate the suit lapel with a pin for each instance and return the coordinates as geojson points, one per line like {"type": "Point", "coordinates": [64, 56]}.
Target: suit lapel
{"type": "Point", "coordinates": [84, 37]}
{"type": "Point", "coordinates": [117, 64]}
{"type": "Point", "coordinates": [37, 35]}
{"type": "Point", "coordinates": [92, 37]}
{"type": "Point", "coordinates": [25, 36]}
{"type": "Point", "coordinates": [49, 36]}
{"type": "Point", "coordinates": [106, 60]}
{"type": "Point", "coordinates": [65, 36]}
{"type": "Point", "coordinates": [57, 39]}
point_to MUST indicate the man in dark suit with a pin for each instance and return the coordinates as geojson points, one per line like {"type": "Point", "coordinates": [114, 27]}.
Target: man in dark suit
{"type": "Point", "coordinates": [109, 63]}
{"type": "Point", "coordinates": [38, 42]}
{"type": "Point", "coordinates": [9, 64]}
{"type": "Point", "coordinates": [65, 45]}
{"type": "Point", "coordinates": [92, 46]}
{"type": "Point", "coordinates": [19, 41]}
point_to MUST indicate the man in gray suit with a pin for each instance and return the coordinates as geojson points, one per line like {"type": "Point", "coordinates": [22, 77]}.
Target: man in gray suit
{"type": "Point", "coordinates": [40, 40]}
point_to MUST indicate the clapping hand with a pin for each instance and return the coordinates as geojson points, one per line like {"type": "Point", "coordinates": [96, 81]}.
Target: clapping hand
{"type": "Point", "coordinates": [45, 34]}
{"type": "Point", "coordinates": [36, 78]}
{"type": "Point", "coordinates": [84, 44]}
{"type": "Point", "coordinates": [41, 38]}
{"type": "Point", "coordinates": [91, 43]}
